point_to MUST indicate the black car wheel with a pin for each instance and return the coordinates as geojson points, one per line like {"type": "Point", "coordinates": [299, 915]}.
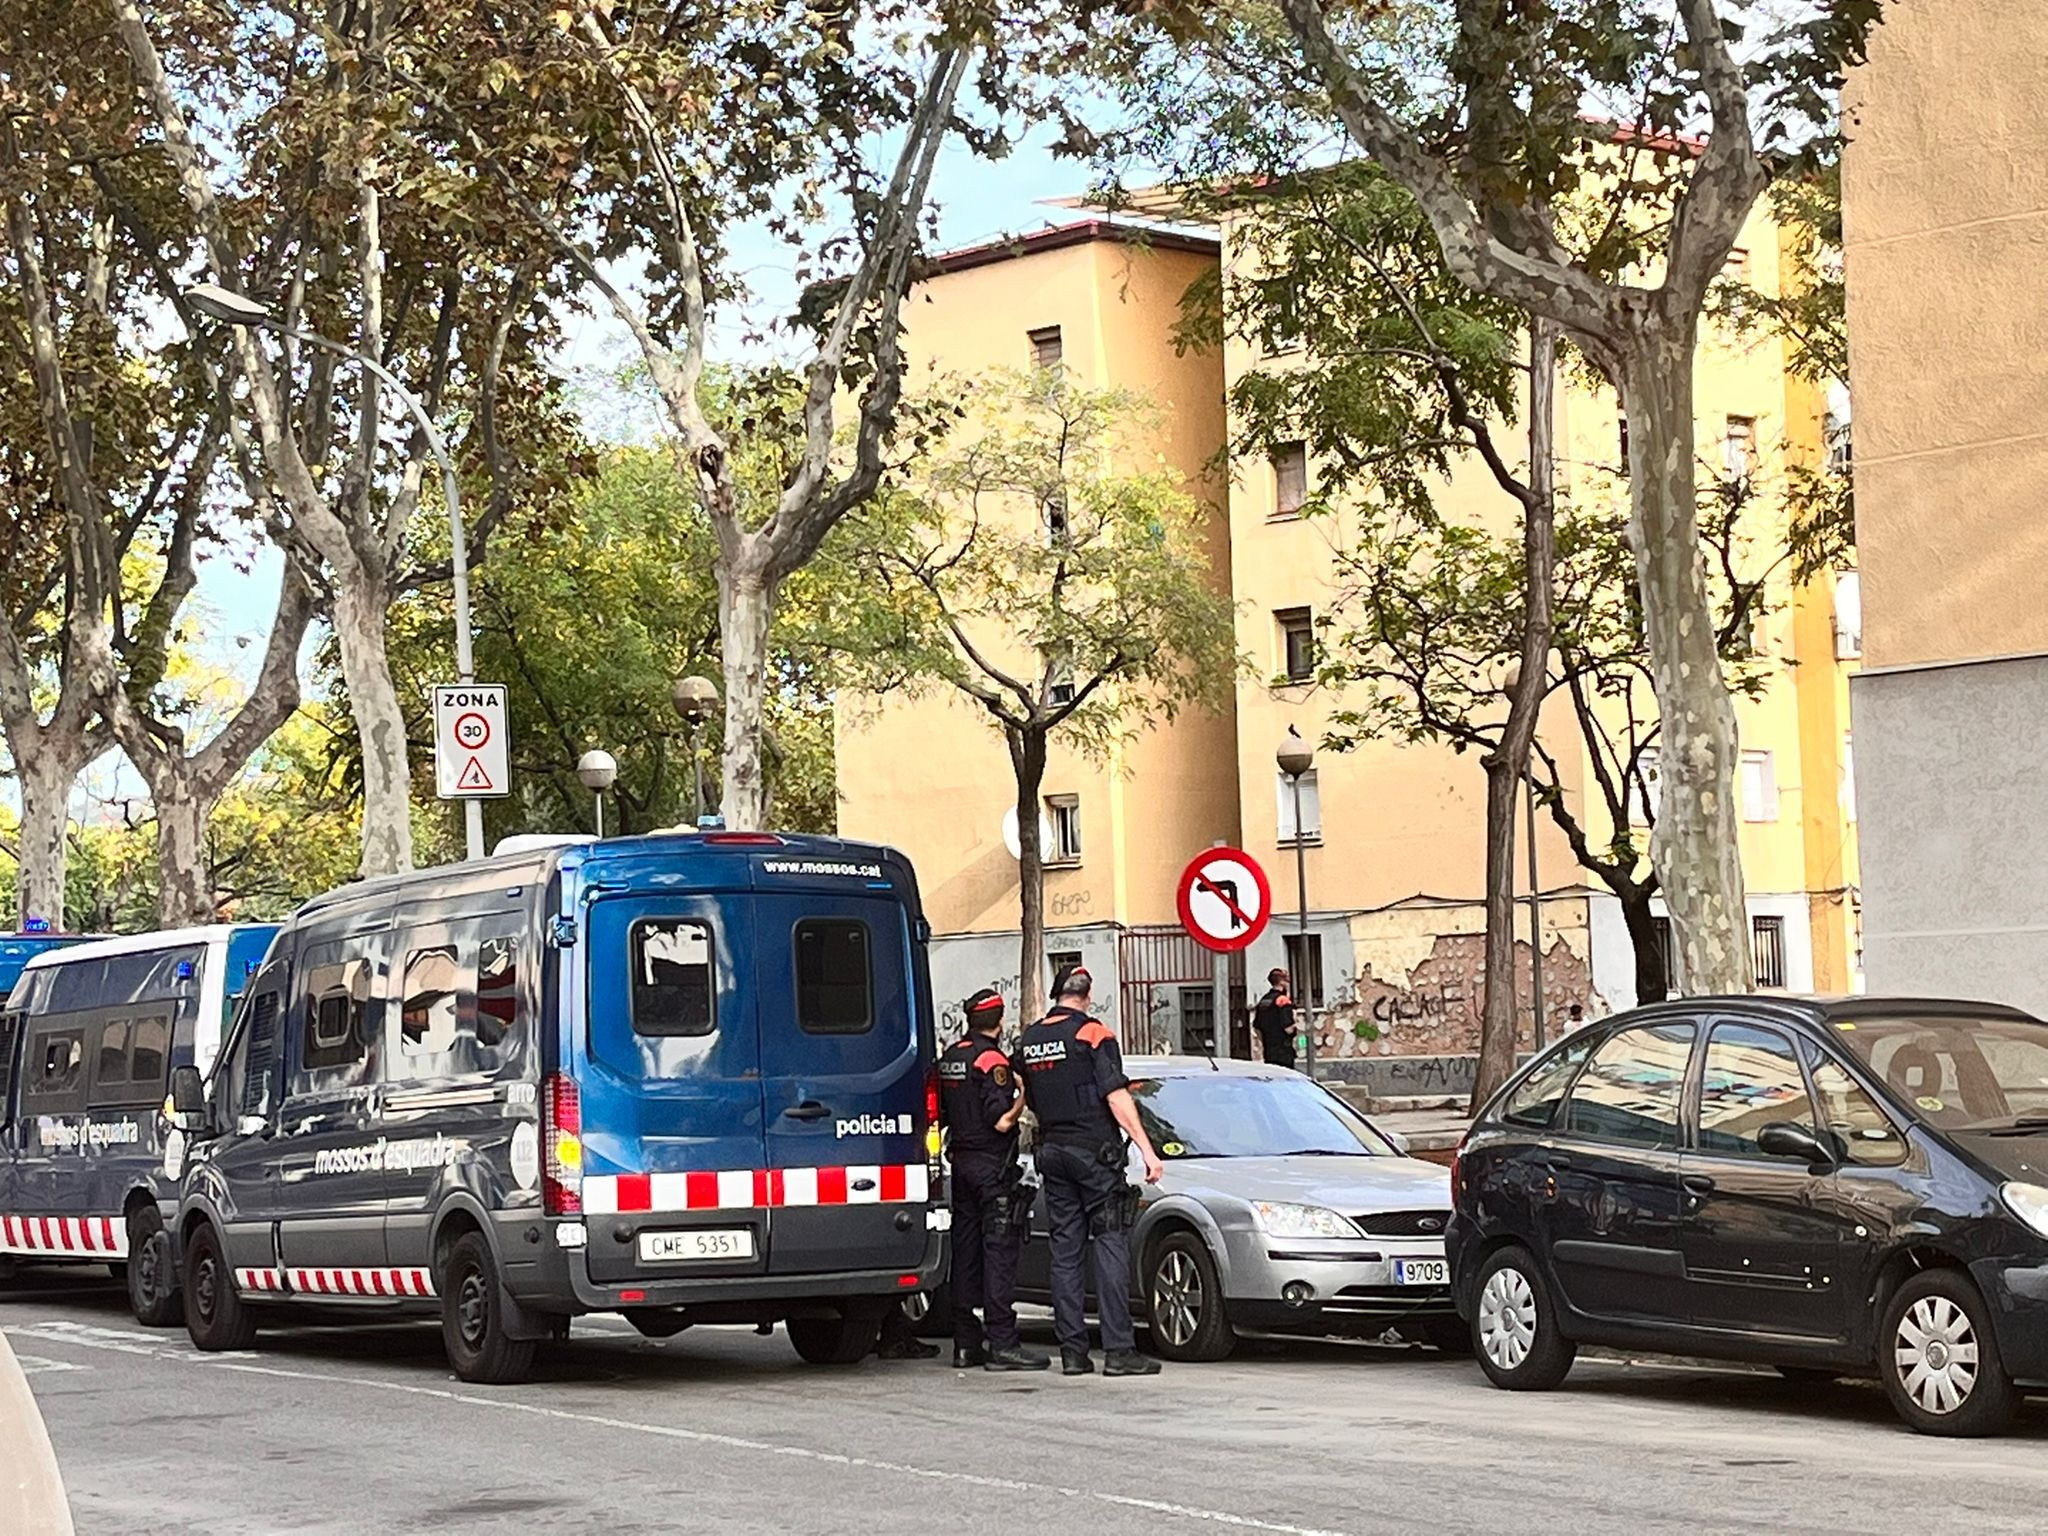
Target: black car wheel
{"type": "Point", "coordinates": [1514, 1325]}
{"type": "Point", "coordinates": [1184, 1300]}
{"type": "Point", "coordinates": [1939, 1361]}
{"type": "Point", "coordinates": [846, 1338]}
{"type": "Point", "coordinates": [473, 1318]}
{"type": "Point", "coordinates": [152, 1282]}
{"type": "Point", "coordinates": [214, 1314]}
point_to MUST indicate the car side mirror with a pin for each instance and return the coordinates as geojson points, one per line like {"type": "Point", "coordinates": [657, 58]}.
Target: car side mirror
{"type": "Point", "coordinates": [1400, 1142]}
{"type": "Point", "coordinates": [188, 1098]}
{"type": "Point", "coordinates": [1781, 1138]}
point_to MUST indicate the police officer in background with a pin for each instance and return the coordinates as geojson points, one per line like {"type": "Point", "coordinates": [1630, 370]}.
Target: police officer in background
{"type": "Point", "coordinates": [980, 1104]}
{"type": "Point", "coordinates": [1074, 1080]}
{"type": "Point", "coordinates": [1273, 1018]}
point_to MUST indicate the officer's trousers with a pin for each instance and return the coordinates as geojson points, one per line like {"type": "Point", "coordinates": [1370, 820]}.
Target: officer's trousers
{"type": "Point", "coordinates": [1079, 1190]}
{"type": "Point", "coordinates": [984, 1264]}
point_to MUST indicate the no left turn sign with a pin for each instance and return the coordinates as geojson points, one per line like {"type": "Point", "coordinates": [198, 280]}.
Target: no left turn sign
{"type": "Point", "coordinates": [1225, 902]}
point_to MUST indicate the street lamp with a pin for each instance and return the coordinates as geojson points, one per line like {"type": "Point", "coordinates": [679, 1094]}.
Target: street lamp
{"type": "Point", "coordinates": [598, 770]}
{"type": "Point", "coordinates": [696, 700]}
{"type": "Point", "coordinates": [1511, 680]}
{"type": "Point", "coordinates": [222, 304]}
{"type": "Point", "coordinates": [1295, 758]}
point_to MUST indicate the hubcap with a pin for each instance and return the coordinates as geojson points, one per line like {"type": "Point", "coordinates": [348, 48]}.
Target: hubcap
{"type": "Point", "coordinates": [150, 1267]}
{"type": "Point", "coordinates": [1936, 1354]}
{"type": "Point", "coordinates": [1507, 1318]}
{"type": "Point", "coordinates": [472, 1309]}
{"type": "Point", "coordinates": [203, 1283]}
{"type": "Point", "coordinates": [1177, 1297]}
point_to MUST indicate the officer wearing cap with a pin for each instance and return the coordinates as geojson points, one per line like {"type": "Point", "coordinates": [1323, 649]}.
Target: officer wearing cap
{"type": "Point", "coordinates": [979, 1104]}
{"type": "Point", "coordinates": [1074, 1079]}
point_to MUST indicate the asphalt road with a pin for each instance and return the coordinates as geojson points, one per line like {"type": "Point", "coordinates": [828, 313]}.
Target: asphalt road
{"type": "Point", "coordinates": [363, 1429]}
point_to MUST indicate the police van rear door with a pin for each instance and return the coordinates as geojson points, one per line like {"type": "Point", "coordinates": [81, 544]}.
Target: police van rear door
{"type": "Point", "coordinates": [842, 1071]}
{"type": "Point", "coordinates": [670, 1091]}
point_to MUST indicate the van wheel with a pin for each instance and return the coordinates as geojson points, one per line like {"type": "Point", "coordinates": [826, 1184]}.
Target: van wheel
{"type": "Point", "coordinates": [152, 1281]}
{"type": "Point", "coordinates": [1184, 1301]}
{"type": "Point", "coordinates": [1939, 1361]}
{"type": "Point", "coordinates": [1515, 1326]}
{"type": "Point", "coordinates": [846, 1339]}
{"type": "Point", "coordinates": [473, 1318]}
{"type": "Point", "coordinates": [215, 1316]}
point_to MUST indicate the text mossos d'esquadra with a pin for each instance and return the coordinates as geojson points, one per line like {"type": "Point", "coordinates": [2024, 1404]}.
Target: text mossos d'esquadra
{"type": "Point", "coordinates": [70, 1135]}
{"type": "Point", "coordinates": [382, 1155]}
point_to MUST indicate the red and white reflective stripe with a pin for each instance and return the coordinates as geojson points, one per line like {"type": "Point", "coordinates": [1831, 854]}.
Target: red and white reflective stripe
{"type": "Point", "coordinates": [65, 1237]}
{"type": "Point", "coordinates": [359, 1282]}
{"type": "Point", "coordinates": [259, 1280]}
{"type": "Point", "coordinates": [606, 1194]}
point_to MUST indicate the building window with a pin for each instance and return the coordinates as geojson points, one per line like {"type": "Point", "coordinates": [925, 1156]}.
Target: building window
{"type": "Point", "coordinates": [1757, 787]}
{"type": "Point", "coordinates": [1767, 943]}
{"type": "Point", "coordinates": [1057, 529]}
{"type": "Point", "coordinates": [1297, 629]}
{"type": "Point", "coordinates": [1847, 793]}
{"type": "Point", "coordinates": [1738, 450]}
{"type": "Point", "coordinates": [1290, 479]}
{"type": "Point", "coordinates": [1064, 812]}
{"type": "Point", "coordinates": [1311, 808]}
{"type": "Point", "coordinates": [1848, 616]}
{"type": "Point", "coordinates": [1046, 351]}
{"type": "Point", "coordinates": [1281, 331]}
{"type": "Point", "coordinates": [1059, 686]}
{"type": "Point", "coordinates": [1305, 968]}
{"type": "Point", "coordinates": [1667, 953]}
{"type": "Point", "coordinates": [1061, 960]}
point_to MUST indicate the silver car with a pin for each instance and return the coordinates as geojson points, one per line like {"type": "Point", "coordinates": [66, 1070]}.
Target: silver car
{"type": "Point", "coordinates": [1282, 1211]}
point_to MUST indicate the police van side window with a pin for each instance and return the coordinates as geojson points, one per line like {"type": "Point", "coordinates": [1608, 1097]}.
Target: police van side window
{"type": "Point", "coordinates": [497, 992]}
{"type": "Point", "coordinates": [427, 1013]}
{"type": "Point", "coordinates": [835, 988]}
{"type": "Point", "coordinates": [334, 1029]}
{"type": "Point", "coordinates": [130, 1060]}
{"type": "Point", "coordinates": [53, 1081]}
{"type": "Point", "coordinates": [673, 991]}
{"type": "Point", "coordinates": [10, 1046]}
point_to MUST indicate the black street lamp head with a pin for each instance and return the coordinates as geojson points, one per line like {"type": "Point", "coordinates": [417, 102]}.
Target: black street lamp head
{"type": "Point", "coordinates": [219, 303]}
{"type": "Point", "coordinates": [695, 698]}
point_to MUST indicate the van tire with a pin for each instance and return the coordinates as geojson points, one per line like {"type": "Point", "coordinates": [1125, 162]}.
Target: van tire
{"type": "Point", "coordinates": [846, 1339]}
{"type": "Point", "coordinates": [215, 1316]}
{"type": "Point", "coordinates": [473, 1318]}
{"type": "Point", "coordinates": [152, 1280]}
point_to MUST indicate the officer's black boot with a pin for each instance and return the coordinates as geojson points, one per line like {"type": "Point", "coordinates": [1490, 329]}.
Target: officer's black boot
{"type": "Point", "coordinates": [1128, 1362]}
{"type": "Point", "coordinates": [1075, 1362]}
{"type": "Point", "coordinates": [967, 1356]}
{"type": "Point", "coordinates": [1018, 1357]}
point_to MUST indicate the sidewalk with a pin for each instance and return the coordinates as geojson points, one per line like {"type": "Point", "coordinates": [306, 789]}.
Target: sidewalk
{"type": "Point", "coordinates": [1433, 1127]}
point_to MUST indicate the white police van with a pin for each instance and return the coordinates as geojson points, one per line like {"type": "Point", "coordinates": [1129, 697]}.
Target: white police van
{"type": "Point", "coordinates": [88, 1038]}
{"type": "Point", "coordinates": [684, 1078]}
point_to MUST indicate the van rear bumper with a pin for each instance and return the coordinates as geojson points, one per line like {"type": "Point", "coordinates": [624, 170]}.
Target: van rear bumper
{"type": "Point", "coordinates": [544, 1276]}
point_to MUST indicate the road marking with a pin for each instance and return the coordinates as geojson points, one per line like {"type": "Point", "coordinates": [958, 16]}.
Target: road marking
{"type": "Point", "coordinates": [35, 1365]}
{"type": "Point", "coordinates": [87, 1336]}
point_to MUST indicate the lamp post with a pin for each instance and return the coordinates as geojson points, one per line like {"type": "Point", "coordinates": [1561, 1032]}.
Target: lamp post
{"type": "Point", "coordinates": [219, 303]}
{"type": "Point", "coordinates": [696, 700]}
{"type": "Point", "coordinates": [1295, 758]}
{"type": "Point", "coordinates": [598, 770]}
{"type": "Point", "coordinates": [1510, 682]}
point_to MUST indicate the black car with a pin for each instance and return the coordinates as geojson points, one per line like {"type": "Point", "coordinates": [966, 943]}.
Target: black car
{"type": "Point", "coordinates": [1831, 1187]}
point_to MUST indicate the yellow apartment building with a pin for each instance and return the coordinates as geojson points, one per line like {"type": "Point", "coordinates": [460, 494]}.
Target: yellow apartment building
{"type": "Point", "coordinates": [1945, 212]}
{"type": "Point", "coordinates": [1394, 848]}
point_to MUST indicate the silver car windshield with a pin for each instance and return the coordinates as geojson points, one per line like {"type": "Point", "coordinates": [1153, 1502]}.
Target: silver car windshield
{"type": "Point", "coordinates": [1222, 1116]}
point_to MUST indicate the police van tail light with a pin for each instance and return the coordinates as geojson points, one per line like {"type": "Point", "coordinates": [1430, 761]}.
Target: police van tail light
{"type": "Point", "coordinates": [561, 1181]}
{"type": "Point", "coordinates": [931, 1111]}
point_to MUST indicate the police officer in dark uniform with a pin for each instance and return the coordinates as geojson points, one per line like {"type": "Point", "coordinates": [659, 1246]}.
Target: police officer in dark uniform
{"type": "Point", "coordinates": [1273, 1018]}
{"type": "Point", "coordinates": [979, 1104]}
{"type": "Point", "coordinates": [1074, 1079]}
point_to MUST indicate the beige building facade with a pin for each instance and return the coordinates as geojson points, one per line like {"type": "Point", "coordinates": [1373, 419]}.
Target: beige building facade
{"type": "Point", "coordinates": [1393, 852]}
{"type": "Point", "coordinates": [1945, 206]}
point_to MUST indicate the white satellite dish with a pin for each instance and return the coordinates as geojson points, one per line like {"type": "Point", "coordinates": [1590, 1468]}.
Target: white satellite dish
{"type": "Point", "coordinates": [1015, 844]}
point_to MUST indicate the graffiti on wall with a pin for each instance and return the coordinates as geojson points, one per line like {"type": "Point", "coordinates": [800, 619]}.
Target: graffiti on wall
{"type": "Point", "coordinates": [1433, 1010]}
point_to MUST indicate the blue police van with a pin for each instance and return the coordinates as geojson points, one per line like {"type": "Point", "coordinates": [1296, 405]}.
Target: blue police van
{"type": "Point", "coordinates": [88, 1039]}
{"type": "Point", "coordinates": [17, 949]}
{"type": "Point", "coordinates": [684, 1078]}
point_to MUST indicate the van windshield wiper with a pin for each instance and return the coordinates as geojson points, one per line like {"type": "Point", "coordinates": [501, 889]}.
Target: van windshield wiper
{"type": "Point", "coordinates": [2024, 1125]}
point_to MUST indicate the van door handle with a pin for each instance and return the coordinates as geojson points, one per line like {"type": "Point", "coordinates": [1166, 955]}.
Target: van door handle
{"type": "Point", "coordinates": [1697, 1184]}
{"type": "Point", "coordinates": [1557, 1162]}
{"type": "Point", "coordinates": [810, 1109]}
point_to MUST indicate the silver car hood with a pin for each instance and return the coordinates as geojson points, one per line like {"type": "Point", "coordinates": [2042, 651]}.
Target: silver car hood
{"type": "Point", "coordinates": [1352, 1185]}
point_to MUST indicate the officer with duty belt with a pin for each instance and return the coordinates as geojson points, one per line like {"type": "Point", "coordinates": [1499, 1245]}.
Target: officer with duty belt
{"type": "Point", "coordinates": [1074, 1079]}
{"type": "Point", "coordinates": [979, 1104]}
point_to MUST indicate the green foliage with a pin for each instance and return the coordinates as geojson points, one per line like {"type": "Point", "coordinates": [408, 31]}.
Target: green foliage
{"type": "Point", "coordinates": [1027, 566]}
